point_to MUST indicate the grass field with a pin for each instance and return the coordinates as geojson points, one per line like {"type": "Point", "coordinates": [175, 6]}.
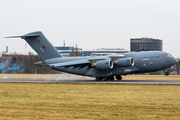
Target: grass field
{"type": "Point", "coordinates": [88, 101]}
{"type": "Point", "coordinates": [70, 76]}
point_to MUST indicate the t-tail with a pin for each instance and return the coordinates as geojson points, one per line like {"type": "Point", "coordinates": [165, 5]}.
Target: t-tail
{"type": "Point", "coordinates": [41, 45]}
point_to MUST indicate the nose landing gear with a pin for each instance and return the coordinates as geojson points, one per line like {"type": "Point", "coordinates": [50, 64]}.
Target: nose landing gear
{"type": "Point", "coordinates": [166, 73]}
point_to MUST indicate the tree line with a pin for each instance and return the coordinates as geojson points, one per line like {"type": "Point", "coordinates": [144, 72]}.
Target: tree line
{"type": "Point", "coordinates": [23, 64]}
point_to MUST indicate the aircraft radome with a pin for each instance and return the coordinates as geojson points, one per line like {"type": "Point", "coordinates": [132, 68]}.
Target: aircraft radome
{"type": "Point", "coordinates": [101, 67]}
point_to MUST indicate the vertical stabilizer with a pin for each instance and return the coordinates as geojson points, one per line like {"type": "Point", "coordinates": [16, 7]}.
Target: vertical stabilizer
{"type": "Point", "coordinates": [41, 45]}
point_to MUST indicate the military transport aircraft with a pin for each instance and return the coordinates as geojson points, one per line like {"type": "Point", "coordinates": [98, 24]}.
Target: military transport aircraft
{"type": "Point", "coordinates": [101, 67]}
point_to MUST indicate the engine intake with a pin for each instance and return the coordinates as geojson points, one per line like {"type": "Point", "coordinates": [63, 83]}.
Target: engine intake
{"type": "Point", "coordinates": [125, 62]}
{"type": "Point", "coordinates": [103, 64]}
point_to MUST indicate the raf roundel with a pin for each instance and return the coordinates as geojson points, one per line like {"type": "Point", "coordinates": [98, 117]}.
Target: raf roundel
{"type": "Point", "coordinates": [44, 47]}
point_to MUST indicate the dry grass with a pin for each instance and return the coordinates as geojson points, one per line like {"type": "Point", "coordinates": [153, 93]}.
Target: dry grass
{"type": "Point", "coordinates": [88, 101]}
{"type": "Point", "coordinates": [70, 76]}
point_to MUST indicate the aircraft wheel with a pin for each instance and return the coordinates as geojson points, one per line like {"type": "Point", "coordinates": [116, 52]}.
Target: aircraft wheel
{"type": "Point", "coordinates": [106, 79]}
{"type": "Point", "coordinates": [119, 77]}
{"type": "Point", "coordinates": [112, 78]}
{"type": "Point", "coordinates": [99, 78]}
{"type": "Point", "coordinates": [166, 73]}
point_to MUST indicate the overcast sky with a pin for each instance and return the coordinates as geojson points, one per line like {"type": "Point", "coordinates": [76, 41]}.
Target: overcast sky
{"type": "Point", "coordinates": [91, 24]}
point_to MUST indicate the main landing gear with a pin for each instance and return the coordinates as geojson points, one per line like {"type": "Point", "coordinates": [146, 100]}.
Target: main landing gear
{"type": "Point", "coordinates": [119, 77]}
{"type": "Point", "coordinates": [99, 78]}
{"type": "Point", "coordinates": [109, 78]}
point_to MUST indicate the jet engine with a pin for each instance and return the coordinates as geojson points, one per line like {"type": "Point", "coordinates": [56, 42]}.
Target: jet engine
{"type": "Point", "coordinates": [103, 64]}
{"type": "Point", "coordinates": [125, 62]}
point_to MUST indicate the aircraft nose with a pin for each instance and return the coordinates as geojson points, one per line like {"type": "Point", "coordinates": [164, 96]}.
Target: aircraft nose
{"type": "Point", "coordinates": [173, 60]}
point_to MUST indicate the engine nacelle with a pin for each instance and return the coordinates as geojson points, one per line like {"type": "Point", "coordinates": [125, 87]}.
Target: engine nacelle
{"type": "Point", "coordinates": [125, 62]}
{"type": "Point", "coordinates": [103, 64]}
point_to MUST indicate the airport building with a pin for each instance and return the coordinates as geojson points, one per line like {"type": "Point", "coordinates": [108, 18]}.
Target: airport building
{"type": "Point", "coordinates": [66, 51]}
{"type": "Point", "coordinates": [145, 44]}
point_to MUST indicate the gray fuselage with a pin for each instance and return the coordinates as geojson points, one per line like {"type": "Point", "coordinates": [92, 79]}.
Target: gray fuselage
{"type": "Point", "coordinates": [143, 62]}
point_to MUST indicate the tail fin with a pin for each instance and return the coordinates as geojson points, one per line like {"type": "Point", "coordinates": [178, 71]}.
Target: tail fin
{"type": "Point", "coordinates": [41, 45]}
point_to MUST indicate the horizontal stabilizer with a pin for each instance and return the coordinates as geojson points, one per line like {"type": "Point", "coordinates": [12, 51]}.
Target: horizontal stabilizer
{"type": "Point", "coordinates": [24, 36]}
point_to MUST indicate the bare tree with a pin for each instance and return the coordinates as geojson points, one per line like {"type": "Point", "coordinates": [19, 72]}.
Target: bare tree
{"type": "Point", "coordinates": [76, 52]}
{"type": "Point", "coordinates": [72, 51]}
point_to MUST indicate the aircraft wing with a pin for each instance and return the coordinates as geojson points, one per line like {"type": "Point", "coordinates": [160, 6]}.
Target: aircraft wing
{"type": "Point", "coordinates": [86, 61]}
{"type": "Point", "coordinates": [117, 56]}
{"type": "Point", "coordinates": [76, 62]}
{"type": "Point", "coordinates": [70, 63]}
{"type": "Point", "coordinates": [112, 57]}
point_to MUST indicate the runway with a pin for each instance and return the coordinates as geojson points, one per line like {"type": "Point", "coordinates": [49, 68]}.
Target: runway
{"type": "Point", "coordinates": [168, 82]}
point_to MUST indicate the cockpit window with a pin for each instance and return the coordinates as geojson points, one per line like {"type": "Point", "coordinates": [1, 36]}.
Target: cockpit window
{"type": "Point", "coordinates": [169, 54]}
{"type": "Point", "coordinates": [166, 54]}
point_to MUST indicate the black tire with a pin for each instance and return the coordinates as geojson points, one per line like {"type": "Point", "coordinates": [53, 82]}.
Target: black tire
{"type": "Point", "coordinates": [99, 78]}
{"type": "Point", "coordinates": [106, 79]}
{"type": "Point", "coordinates": [119, 77]}
{"type": "Point", "coordinates": [166, 73]}
{"type": "Point", "coordinates": [112, 78]}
